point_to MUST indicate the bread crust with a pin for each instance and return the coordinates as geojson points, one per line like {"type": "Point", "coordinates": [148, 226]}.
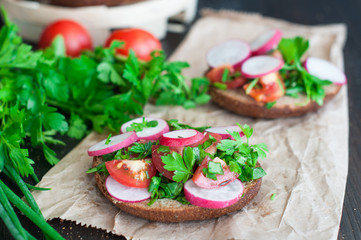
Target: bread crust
{"type": "Point", "coordinates": [168, 210]}
{"type": "Point", "coordinates": [237, 101]}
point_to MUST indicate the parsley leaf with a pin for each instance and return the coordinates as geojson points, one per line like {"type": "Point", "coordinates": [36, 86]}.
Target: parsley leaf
{"type": "Point", "coordinates": [182, 167]}
{"type": "Point", "coordinates": [107, 141]}
{"type": "Point", "coordinates": [161, 187]}
{"type": "Point", "coordinates": [137, 127]}
{"type": "Point", "coordinates": [296, 78]}
{"type": "Point", "coordinates": [175, 125]}
{"type": "Point", "coordinates": [240, 156]}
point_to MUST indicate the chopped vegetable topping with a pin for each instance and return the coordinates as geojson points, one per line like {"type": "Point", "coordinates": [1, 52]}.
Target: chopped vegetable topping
{"type": "Point", "coordinates": [296, 78]}
{"type": "Point", "coordinates": [273, 196]}
{"type": "Point", "coordinates": [108, 139]}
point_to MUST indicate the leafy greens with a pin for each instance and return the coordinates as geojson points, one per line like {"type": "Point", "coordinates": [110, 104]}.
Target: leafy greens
{"type": "Point", "coordinates": [46, 93]}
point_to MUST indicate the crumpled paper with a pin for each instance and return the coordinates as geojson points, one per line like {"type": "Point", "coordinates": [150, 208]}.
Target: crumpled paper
{"type": "Point", "coordinates": [306, 167]}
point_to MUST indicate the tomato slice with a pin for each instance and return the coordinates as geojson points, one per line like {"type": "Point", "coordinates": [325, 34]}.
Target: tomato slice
{"type": "Point", "coordinates": [270, 88]}
{"type": "Point", "coordinates": [202, 181]}
{"type": "Point", "coordinates": [132, 173]}
{"type": "Point", "coordinates": [216, 75]}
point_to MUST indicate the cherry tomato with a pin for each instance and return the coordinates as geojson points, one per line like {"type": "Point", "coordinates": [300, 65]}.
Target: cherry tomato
{"type": "Point", "coordinates": [271, 88]}
{"type": "Point", "coordinates": [140, 41]}
{"type": "Point", "coordinates": [202, 181]}
{"type": "Point", "coordinates": [216, 74]}
{"type": "Point", "coordinates": [132, 173]}
{"type": "Point", "coordinates": [76, 37]}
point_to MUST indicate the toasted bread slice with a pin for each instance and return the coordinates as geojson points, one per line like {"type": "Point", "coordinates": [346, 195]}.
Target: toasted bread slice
{"type": "Point", "coordinates": [168, 210]}
{"type": "Point", "coordinates": [237, 101]}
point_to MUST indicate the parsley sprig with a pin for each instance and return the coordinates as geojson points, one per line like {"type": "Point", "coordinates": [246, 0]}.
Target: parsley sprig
{"type": "Point", "coordinates": [182, 166]}
{"type": "Point", "coordinates": [296, 77]}
{"type": "Point", "coordinates": [241, 156]}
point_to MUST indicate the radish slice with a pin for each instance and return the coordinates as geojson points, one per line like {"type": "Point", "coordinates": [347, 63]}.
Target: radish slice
{"type": "Point", "coordinates": [266, 42]}
{"type": "Point", "coordinates": [117, 142]}
{"type": "Point", "coordinates": [259, 66]}
{"type": "Point", "coordinates": [213, 198]}
{"type": "Point", "coordinates": [232, 52]}
{"type": "Point", "coordinates": [325, 70]}
{"type": "Point", "coordinates": [149, 134]}
{"type": "Point", "coordinates": [182, 137]}
{"type": "Point", "coordinates": [223, 131]}
{"type": "Point", "coordinates": [124, 193]}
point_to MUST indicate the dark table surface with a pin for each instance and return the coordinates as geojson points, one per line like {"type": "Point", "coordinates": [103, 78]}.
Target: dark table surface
{"type": "Point", "coordinates": [309, 12]}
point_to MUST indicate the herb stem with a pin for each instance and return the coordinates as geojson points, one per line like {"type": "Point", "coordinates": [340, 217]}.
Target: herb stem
{"type": "Point", "coordinates": [69, 108]}
{"type": "Point", "coordinates": [19, 231]}
{"type": "Point", "coordinates": [33, 216]}
{"type": "Point", "coordinates": [251, 85]}
{"type": "Point", "coordinates": [10, 172]}
{"type": "Point", "coordinates": [10, 225]}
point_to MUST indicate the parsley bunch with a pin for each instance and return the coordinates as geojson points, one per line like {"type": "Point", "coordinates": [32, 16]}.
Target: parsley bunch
{"type": "Point", "coordinates": [296, 77]}
{"type": "Point", "coordinates": [45, 93]}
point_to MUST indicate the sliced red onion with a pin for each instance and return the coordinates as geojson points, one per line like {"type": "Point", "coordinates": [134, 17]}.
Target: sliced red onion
{"type": "Point", "coordinates": [115, 143]}
{"type": "Point", "coordinates": [182, 137]}
{"type": "Point", "coordinates": [149, 134]}
{"type": "Point", "coordinates": [213, 198]}
{"type": "Point", "coordinates": [259, 66]}
{"type": "Point", "coordinates": [125, 194]}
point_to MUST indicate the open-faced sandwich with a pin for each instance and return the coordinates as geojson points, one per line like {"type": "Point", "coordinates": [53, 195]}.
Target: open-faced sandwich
{"type": "Point", "coordinates": [171, 172]}
{"type": "Point", "coordinates": [270, 77]}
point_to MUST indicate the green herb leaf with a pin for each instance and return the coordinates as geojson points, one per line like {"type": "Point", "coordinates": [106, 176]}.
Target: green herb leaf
{"type": "Point", "coordinates": [292, 49]}
{"type": "Point", "coordinates": [138, 127]}
{"type": "Point", "coordinates": [175, 125]}
{"type": "Point", "coordinates": [182, 168]}
{"type": "Point", "coordinates": [107, 141]}
{"type": "Point", "coordinates": [221, 86]}
{"type": "Point", "coordinates": [269, 105]}
{"type": "Point", "coordinates": [215, 167]}
{"type": "Point", "coordinates": [163, 149]}
{"type": "Point", "coordinates": [273, 196]}
{"type": "Point", "coordinates": [208, 174]}
{"type": "Point", "coordinates": [252, 85]}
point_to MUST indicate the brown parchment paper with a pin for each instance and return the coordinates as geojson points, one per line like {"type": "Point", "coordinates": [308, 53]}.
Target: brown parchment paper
{"type": "Point", "coordinates": [307, 164]}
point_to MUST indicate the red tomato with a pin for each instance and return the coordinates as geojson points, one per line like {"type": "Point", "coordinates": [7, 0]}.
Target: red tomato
{"type": "Point", "coordinates": [216, 74]}
{"type": "Point", "coordinates": [157, 159]}
{"type": "Point", "coordinates": [140, 41]}
{"type": "Point", "coordinates": [132, 173]}
{"type": "Point", "coordinates": [202, 181]}
{"type": "Point", "coordinates": [76, 37]}
{"type": "Point", "coordinates": [272, 88]}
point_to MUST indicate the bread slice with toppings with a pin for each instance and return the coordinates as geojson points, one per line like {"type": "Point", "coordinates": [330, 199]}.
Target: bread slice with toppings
{"type": "Point", "coordinates": [237, 101]}
{"type": "Point", "coordinates": [168, 210]}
